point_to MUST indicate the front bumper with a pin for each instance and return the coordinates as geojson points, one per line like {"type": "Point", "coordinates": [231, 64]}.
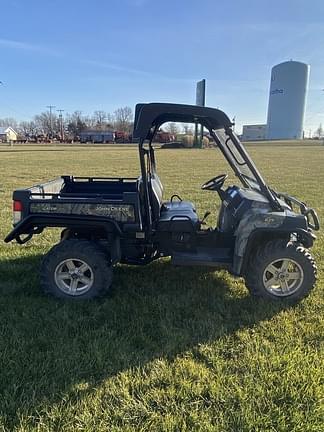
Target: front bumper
{"type": "Point", "coordinates": [308, 212]}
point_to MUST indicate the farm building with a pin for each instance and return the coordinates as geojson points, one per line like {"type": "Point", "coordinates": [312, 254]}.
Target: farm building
{"type": "Point", "coordinates": [7, 134]}
{"type": "Point", "coordinates": [95, 136]}
{"type": "Point", "coordinates": [254, 132]}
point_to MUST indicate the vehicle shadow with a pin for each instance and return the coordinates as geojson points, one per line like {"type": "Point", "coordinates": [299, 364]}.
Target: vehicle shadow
{"type": "Point", "coordinates": [50, 347]}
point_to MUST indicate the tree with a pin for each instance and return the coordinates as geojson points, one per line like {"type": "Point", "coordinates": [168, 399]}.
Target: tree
{"type": "Point", "coordinates": [172, 128]}
{"type": "Point", "coordinates": [9, 121]}
{"type": "Point", "coordinates": [187, 129]}
{"type": "Point", "coordinates": [123, 119]}
{"type": "Point", "coordinates": [99, 118]}
{"type": "Point", "coordinates": [319, 131]}
{"type": "Point", "coordinates": [75, 123]}
{"type": "Point", "coordinates": [47, 123]}
{"type": "Point", "coordinates": [110, 120]}
{"type": "Point", "coordinates": [28, 128]}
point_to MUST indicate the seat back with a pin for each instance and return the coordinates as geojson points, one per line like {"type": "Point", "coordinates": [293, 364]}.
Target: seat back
{"type": "Point", "coordinates": [155, 190]}
{"type": "Point", "coordinates": [156, 195]}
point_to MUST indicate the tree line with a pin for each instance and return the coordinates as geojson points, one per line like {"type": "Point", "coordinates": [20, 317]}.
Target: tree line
{"type": "Point", "coordinates": [72, 124]}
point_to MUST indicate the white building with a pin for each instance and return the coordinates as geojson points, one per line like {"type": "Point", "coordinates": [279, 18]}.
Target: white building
{"type": "Point", "coordinates": [254, 132]}
{"type": "Point", "coordinates": [7, 134]}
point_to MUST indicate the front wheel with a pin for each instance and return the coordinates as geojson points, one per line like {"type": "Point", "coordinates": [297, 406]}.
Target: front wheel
{"type": "Point", "coordinates": [281, 270]}
{"type": "Point", "coordinates": [76, 269]}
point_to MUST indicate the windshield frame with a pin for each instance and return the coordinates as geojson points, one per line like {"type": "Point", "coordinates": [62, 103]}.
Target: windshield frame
{"type": "Point", "coordinates": [256, 182]}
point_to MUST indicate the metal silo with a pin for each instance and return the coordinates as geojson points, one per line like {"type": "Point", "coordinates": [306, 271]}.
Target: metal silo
{"type": "Point", "coordinates": [287, 99]}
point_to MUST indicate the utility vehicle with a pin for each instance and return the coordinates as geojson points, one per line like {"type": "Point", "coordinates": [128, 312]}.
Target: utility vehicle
{"type": "Point", "coordinates": [260, 235]}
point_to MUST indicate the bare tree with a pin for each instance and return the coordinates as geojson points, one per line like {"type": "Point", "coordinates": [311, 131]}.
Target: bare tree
{"type": "Point", "coordinates": [172, 128]}
{"type": "Point", "coordinates": [28, 128]}
{"type": "Point", "coordinates": [75, 123]}
{"type": "Point", "coordinates": [319, 131]}
{"type": "Point", "coordinates": [47, 123]}
{"type": "Point", "coordinates": [110, 120]}
{"type": "Point", "coordinates": [188, 130]}
{"type": "Point", "coordinates": [123, 119]}
{"type": "Point", "coordinates": [89, 121]}
{"type": "Point", "coordinates": [99, 118]}
{"type": "Point", "coordinates": [9, 121]}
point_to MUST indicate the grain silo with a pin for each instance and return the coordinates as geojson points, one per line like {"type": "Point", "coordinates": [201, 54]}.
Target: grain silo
{"type": "Point", "coordinates": [287, 99]}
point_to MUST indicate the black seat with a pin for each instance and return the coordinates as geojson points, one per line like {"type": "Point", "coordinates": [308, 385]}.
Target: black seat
{"type": "Point", "coordinates": [177, 210]}
{"type": "Point", "coordinates": [178, 216]}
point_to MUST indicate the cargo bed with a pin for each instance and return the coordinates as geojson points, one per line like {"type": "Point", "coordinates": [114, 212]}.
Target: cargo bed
{"type": "Point", "coordinates": [66, 200]}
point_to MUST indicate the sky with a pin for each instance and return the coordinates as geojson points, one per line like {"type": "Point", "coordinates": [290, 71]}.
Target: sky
{"type": "Point", "coordinates": [101, 55]}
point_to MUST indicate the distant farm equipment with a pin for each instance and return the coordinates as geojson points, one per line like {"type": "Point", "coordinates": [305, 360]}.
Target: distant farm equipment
{"type": "Point", "coordinates": [164, 137]}
{"type": "Point", "coordinates": [97, 136]}
{"type": "Point", "coordinates": [123, 137]}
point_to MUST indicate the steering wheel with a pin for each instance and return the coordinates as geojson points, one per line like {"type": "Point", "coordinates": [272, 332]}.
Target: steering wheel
{"type": "Point", "coordinates": [215, 183]}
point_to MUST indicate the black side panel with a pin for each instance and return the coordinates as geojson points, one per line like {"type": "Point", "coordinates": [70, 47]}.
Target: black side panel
{"type": "Point", "coordinates": [216, 257]}
{"type": "Point", "coordinates": [30, 223]}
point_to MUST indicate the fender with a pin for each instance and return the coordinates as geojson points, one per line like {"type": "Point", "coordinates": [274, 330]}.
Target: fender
{"type": "Point", "coordinates": [267, 225]}
{"type": "Point", "coordinates": [34, 224]}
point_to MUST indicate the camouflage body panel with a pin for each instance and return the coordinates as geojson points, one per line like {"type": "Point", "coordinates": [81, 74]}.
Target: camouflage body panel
{"type": "Point", "coordinates": [267, 220]}
{"type": "Point", "coordinates": [253, 219]}
{"type": "Point", "coordinates": [119, 212]}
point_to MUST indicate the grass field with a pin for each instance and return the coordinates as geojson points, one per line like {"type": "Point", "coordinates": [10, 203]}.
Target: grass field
{"type": "Point", "coordinates": [171, 349]}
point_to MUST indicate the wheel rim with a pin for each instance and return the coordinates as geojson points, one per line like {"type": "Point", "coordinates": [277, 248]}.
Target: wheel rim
{"type": "Point", "coordinates": [74, 277]}
{"type": "Point", "coordinates": [283, 277]}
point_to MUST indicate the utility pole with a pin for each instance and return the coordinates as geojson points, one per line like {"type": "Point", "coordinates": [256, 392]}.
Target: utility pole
{"type": "Point", "coordinates": [61, 124]}
{"type": "Point", "coordinates": [50, 107]}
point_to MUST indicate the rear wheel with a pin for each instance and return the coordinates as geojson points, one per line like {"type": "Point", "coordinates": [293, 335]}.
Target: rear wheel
{"type": "Point", "coordinates": [280, 270]}
{"type": "Point", "coordinates": [76, 269]}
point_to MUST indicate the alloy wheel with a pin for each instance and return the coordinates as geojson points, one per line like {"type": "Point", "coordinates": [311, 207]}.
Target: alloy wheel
{"type": "Point", "coordinates": [74, 277]}
{"type": "Point", "coordinates": [283, 277]}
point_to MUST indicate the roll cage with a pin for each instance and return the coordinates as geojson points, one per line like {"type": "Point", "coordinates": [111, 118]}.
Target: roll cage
{"type": "Point", "coordinates": [149, 118]}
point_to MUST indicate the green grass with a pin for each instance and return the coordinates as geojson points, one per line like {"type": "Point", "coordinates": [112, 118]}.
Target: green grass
{"type": "Point", "coordinates": [171, 349]}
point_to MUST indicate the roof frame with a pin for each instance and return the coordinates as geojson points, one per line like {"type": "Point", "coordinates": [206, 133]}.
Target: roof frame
{"type": "Point", "coordinates": [153, 115]}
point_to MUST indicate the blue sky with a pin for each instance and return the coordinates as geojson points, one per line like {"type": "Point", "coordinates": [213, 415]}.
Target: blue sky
{"type": "Point", "coordinates": [87, 55]}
